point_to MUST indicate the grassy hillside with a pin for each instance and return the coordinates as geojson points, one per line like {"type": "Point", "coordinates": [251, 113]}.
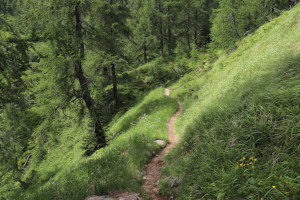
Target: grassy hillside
{"type": "Point", "coordinates": [240, 126]}
{"type": "Point", "coordinates": [239, 129]}
{"type": "Point", "coordinates": [66, 174]}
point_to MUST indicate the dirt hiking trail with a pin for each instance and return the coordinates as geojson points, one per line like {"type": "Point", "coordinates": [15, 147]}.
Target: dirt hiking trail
{"type": "Point", "coordinates": [154, 167]}
{"type": "Point", "coordinates": [152, 170]}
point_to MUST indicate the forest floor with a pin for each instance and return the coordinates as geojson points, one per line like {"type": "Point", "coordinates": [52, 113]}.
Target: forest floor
{"type": "Point", "coordinates": [153, 168]}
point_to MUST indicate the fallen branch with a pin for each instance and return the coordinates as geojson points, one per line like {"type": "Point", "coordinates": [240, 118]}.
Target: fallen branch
{"type": "Point", "coordinates": [27, 161]}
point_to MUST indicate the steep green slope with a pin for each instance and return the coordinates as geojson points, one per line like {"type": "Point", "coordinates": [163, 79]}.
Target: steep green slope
{"type": "Point", "coordinates": [64, 173]}
{"type": "Point", "coordinates": [240, 126]}
{"type": "Point", "coordinates": [239, 129]}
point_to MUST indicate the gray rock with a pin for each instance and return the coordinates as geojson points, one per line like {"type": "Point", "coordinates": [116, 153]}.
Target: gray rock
{"type": "Point", "coordinates": [129, 196]}
{"type": "Point", "coordinates": [175, 182]}
{"type": "Point", "coordinates": [123, 196]}
{"type": "Point", "coordinates": [99, 198]}
{"type": "Point", "coordinates": [160, 142]}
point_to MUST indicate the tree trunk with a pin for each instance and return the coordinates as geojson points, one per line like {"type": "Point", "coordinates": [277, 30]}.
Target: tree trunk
{"type": "Point", "coordinates": [23, 184]}
{"type": "Point", "coordinates": [113, 69]}
{"type": "Point", "coordinates": [161, 31]}
{"type": "Point", "coordinates": [106, 75]}
{"type": "Point", "coordinates": [196, 29]}
{"type": "Point", "coordinates": [145, 54]}
{"type": "Point", "coordinates": [169, 34]}
{"type": "Point", "coordinates": [86, 95]}
{"type": "Point", "coordinates": [206, 26]}
{"type": "Point", "coordinates": [115, 88]}
{"type": "Point", "coordinates": [235, 25]}
{"type": "Point", "coordinates": [188, 32]}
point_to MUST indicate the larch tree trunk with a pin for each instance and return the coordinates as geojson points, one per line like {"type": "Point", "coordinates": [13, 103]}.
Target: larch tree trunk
{"type": "Point", "coordinates": [115, 85]}
{"type": "Point", "coordinates": [169, 34]}
{"type": "Point", "coordinates": [188, 32]}
{"type": "Point", "coordinates": [113, 66]}
{"type": "Point", "coordinates": [86, 95]}
{"type": "Point", "coordinates": [106, 75]}
{"type": "Point", "coordinates": [145, 53]}
{"type": "Point", "coordinates": [161, 32]}
{"type": "Point", "coordinates": [196, 29]}
{"type": "Point", "coordinates": [235, 25]}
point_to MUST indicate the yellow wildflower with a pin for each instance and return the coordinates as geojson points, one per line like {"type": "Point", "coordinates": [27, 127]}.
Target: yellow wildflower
{"type": "Point", "coordinates": [255, 159]}
{"type": "Point", "coordinates": [244, 158]}
{"type": "Point", "coordinates": [273, 186]}
{"type": "Point", "coordinates": [261, 198]}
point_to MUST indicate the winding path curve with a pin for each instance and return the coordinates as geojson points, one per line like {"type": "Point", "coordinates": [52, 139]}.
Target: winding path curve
{"type": "Point", "coordinates": [153, 168]}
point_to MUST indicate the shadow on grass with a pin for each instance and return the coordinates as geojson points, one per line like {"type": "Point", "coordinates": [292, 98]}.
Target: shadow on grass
{"type": "Point", "coordinates": [119, 165]}
{"type": "Point", "coordinates": [260, 119]}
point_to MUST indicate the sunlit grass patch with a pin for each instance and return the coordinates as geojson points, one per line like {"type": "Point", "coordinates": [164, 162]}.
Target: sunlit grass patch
{"type": "Point", "coordinates": [246, 106]}
{"type": "Point", "coordinates": [116, 167]}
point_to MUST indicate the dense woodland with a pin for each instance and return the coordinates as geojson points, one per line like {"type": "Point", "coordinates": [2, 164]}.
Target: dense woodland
{"type": "Point", "coordinates": [81, 64]}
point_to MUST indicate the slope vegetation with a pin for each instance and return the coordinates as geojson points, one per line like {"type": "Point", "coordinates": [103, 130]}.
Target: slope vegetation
{"type": "Point", "coordinates": [240, 124]}
{"type": "Point", "coordinates": [239, 129]}
{"type": "Point", "coordinates": [65, 173]}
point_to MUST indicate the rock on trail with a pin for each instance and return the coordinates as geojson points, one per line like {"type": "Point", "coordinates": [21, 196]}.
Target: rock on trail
{"type": "Point", "coordinates": [121, 196]}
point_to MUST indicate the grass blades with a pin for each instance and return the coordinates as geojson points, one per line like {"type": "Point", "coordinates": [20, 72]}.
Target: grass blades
{"type": "Point", "coordinates": [116, 167]}
{"type": "Point", "coordinates": [240, 124]}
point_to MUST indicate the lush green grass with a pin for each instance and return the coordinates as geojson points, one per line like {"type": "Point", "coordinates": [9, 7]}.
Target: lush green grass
{"type": "Point", "coordinates": [239, 128]}
{"type": "Point", "coordinates": [240, 125]}
{"type": "Point", "coordinates": [65, 174]}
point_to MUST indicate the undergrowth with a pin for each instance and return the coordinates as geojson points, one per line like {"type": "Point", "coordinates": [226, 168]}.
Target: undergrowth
{"type": "Point", "coordinates": [66, 174]}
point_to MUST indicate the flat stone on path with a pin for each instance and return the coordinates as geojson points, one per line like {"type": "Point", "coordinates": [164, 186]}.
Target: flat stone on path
{"type": "Point", "coordinates": [122, 196]}
{"type": "Point", "coordinates": [131, 197]}
{"type": "Point", "coordinates": [99, 198]}
{"type": "Point", "coordinates": [160, 142]}
{"type": "Point", "coordinates": [167, 92]}
{"type": "Point", "coordinates": [128, 196]}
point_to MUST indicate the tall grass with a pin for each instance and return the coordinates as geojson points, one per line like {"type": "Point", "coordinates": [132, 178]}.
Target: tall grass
{"type": "Point", "coordinates": [116, 167]}
{"type": "Point", "coordinates": [241, 121]}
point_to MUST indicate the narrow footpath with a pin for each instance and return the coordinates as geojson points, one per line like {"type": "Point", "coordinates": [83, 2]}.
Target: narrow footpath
{"type": "Point", "coordinates": [154, 167]}
{"type": "Point", "coordinates": [152, 170]}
